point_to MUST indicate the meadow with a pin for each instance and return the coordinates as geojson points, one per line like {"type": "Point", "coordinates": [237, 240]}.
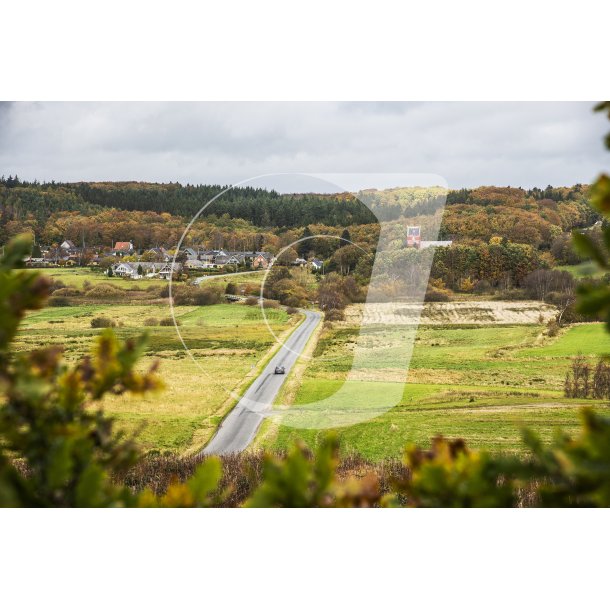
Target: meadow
{"type": "Point", "coordinates": [77, 276]}
{"type": "Point", "coordinates": [480, 383]}
{"type": "Point", "coordinates": [226, 344]}
{"type": "Point", "coordinates": [583, 270]}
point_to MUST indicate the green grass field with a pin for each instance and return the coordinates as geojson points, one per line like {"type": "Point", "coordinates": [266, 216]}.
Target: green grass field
{"type": "Point", "coordinates": [225, 342]}
{"type": "Point", "coordinates": [76, 277]}
{"type": "Point", "coordinates": [586, 269]}
{"type": "Point", "coordinates": [479, 383]}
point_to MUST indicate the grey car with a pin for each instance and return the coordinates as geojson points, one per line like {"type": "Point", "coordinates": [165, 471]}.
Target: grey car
{"type": "Point", "coordinates": [280, 370]}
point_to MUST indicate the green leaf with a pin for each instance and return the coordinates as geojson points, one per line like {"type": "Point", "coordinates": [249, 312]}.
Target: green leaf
{"type": "Point", "coordinates": [206, 479]}
{"type": "Point", "coordinates": [89, 484]}
{"type": "Point", "coordinates": [585, 245]}
{"type": "Point", "coordinates": [17, 249]}
{"type": "Point", "coordinates": [600, 194]}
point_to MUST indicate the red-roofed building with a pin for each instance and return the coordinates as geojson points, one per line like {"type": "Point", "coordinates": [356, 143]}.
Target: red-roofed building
{"type": "Point", "coordinates": [122, 247]}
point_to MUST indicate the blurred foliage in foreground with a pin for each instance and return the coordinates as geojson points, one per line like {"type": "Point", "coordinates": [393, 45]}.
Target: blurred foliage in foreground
{"type": "Point", "coordinates": [58, 450]}
{"type": "Point", "coordinates": [595, 299]}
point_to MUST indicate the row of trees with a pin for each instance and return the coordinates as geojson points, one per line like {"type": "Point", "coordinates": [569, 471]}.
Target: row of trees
{"type": "Point", "coordinates": [586, 381]}
{"type": "Point", "coordinates": [500, 264]}
{"type": "Point", "coordinates": [258, 206]}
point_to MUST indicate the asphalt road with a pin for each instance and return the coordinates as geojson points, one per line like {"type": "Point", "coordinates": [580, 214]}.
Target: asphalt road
{"type": "Point", "coordinates": [237, 430]}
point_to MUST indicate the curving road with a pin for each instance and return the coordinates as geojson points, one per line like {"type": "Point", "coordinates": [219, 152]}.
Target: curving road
{"type": "Point", "coordinates": [237, 430]}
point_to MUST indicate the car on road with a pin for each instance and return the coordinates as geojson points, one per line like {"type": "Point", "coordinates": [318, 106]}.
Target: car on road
{"type": "Point", "coordinates": [280, 370]}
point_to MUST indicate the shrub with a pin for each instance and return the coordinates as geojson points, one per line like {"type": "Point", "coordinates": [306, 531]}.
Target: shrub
{"type": "Point", "coordinates": [55, 285]}
{"type": "Point", "coordinates": [67, 292]}
{"type": "Point", "coordinates": [482, 287]}
{"type": "Point", "coordinates": [552, 328]}
{"type": "Point", "coordinates": [466, 285]}
{"type": "Point", "coordinates": [169, 322]}
{"type": "Point", "coordinates": [289, 292]}
{"type": "Point", "coordinates": [59, 302]}
{"type": "Point", "coordinates": [231, 288]}
{"type": "Point", "coordinates": [104, 290]}
{"type": "Point", "coordinates": [334, 315]}
{"type": "Point", "coordinates": [336, 292]}
{"type": "Point", "coordinates": [151, 322]}
{"type": "Point", "coordinates": [435, 295]}
{"type": "Point", "coordinates": [291, 311]}
{"type": "Point", "coordinates": [207, 296]}
{"type": "Point", "coordinates": [251, 289]}
{"type": "Point", "coordinates": [251, 301]}
{"type": "Point", "coordinates": [192, 295]}
{"type": "Point", "coordinates": [331, 298]}
{"type": "Point", "coordinates": [101, 322]}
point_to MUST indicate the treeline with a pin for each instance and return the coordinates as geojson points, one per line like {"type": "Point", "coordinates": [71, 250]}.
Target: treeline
{"type": "Point", "coordinates": [396, 203]}
{"type": "Point", "coordinates": [249, 218]}
{"type": "Point", "coordinates": [491, 195]}
{"type": "Point", "coordinates": [22, 201]}
{"type": "Point", "coordinates": [535, 216]}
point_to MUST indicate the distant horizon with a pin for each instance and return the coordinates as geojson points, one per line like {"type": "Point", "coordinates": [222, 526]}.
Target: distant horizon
{"type": "Point", "coordinates": [288, 192]}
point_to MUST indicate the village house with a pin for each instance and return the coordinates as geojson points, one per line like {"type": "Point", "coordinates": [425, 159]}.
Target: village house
{"type": "Point", "coordinates": [197, 264]}
{"type": "Point", "coordinates": [191, 253]}
{"type": "Point", "coordinates": [123, 248]}
{"type": "Point", "coordinates": [236, 259]}
{"type": "Point", "coordinates": [262, 260]}
{"type": "Point", "coordinates": [160, 254]}
{"type": "Point", "coordinates": [169, 269]}
{"type": "Point", "coordinates": [216, 259]}
{"type": "Point", "coordinates": [68, 246]}
{"type": "Point", "coordinates": [211, 255]}
{"type": "Point", "coordinates": [131, 270]}
{"type": "Point", "coordinates": [316, 264]}
{"type": "Point", "coordinates": [221, 260]}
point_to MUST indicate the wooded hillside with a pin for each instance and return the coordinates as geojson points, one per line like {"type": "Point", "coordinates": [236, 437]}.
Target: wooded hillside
{"type": "Point", "coordinates": [156, 213]}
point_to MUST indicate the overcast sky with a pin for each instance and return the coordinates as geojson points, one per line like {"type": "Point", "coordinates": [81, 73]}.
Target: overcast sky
{"type": "Point", "coordinates": [468, 144]}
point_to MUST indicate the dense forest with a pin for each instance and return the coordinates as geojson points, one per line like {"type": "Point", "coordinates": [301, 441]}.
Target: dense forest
{"type": "Point", "coordinates": [499, 233]}
{"type": "Point", "coordinates": [261, 207]}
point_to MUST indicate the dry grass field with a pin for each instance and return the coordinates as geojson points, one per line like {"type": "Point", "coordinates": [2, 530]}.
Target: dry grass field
{"type": "Point", "coordinates": [226, 342]}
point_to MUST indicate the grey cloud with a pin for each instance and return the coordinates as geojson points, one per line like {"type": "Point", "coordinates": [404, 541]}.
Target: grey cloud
{"type": "Point", "coordinates": [468, 143]}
